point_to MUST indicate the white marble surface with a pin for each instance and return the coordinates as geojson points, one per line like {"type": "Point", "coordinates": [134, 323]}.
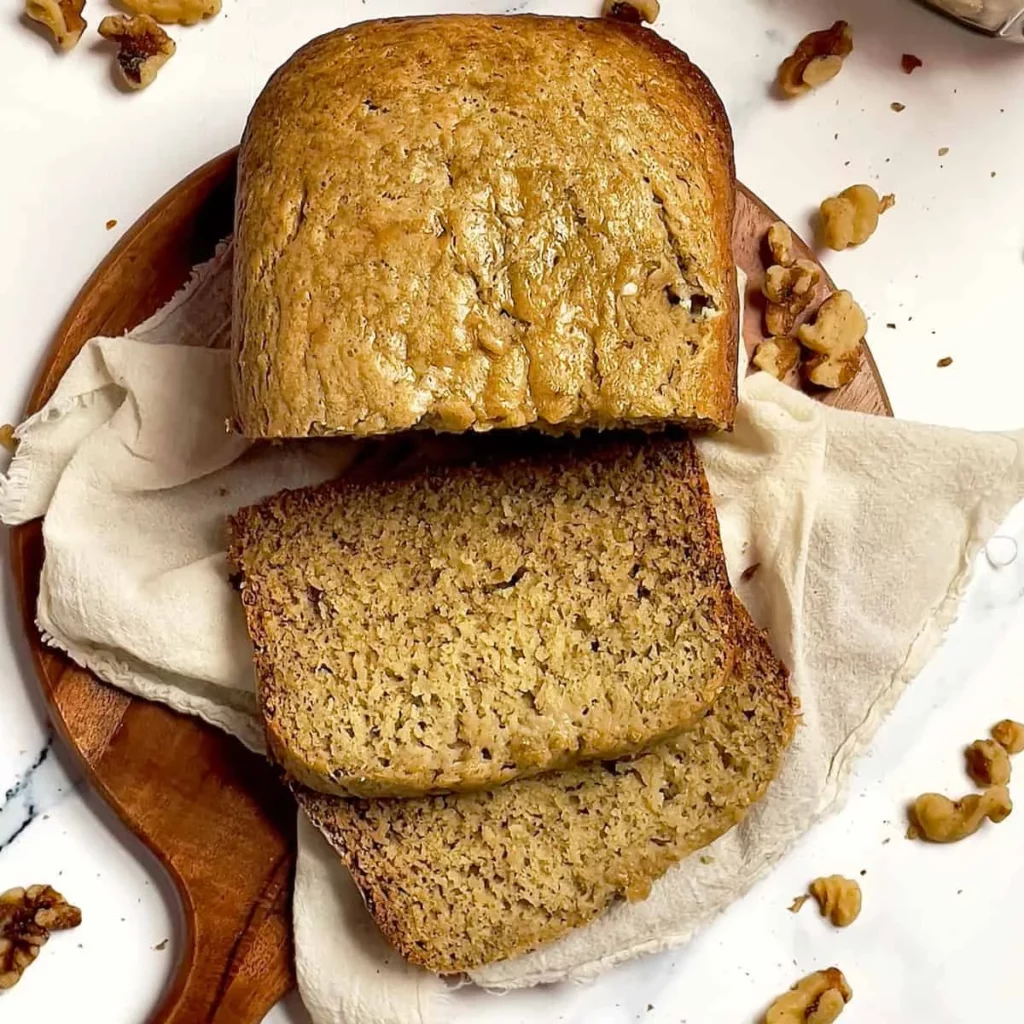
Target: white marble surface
{"type": "Point", "coordinates": [946, 269]}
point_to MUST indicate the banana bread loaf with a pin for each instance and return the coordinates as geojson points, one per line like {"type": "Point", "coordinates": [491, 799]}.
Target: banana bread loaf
{"type": "Point", "coordinates": [466, 625]}
{"type": "Point", "coordinates": [469, 222]}
{"type": "Point", "coordinates": [459, 881]}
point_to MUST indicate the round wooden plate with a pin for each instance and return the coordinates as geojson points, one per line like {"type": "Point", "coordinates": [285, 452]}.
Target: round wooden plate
{"type": "Point", "coordinates": [215, 815]}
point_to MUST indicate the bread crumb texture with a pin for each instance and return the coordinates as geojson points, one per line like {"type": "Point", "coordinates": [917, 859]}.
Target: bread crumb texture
{"type": "Point", "coordinates": [470, 222]}
{"type": "Point", "coordinates": [461, 880]}
{"type": "Point", "coordinates": [466, 625]}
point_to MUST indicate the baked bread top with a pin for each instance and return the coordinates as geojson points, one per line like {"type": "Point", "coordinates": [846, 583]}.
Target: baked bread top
{"type": "Point", "coordinates": [468, 222]}
{"type": "Point", "coordinates": [458, 881]}
{"type": "Point", "coordinates": [467, 625]}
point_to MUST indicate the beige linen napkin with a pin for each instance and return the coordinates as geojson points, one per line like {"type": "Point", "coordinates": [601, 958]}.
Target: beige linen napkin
{"type": "Point", "coordinates": [863, 531]}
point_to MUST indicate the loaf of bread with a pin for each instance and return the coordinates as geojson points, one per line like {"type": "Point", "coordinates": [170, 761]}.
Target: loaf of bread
{"type": "Point", "coordinates": [471, 222]}
{"type": "Point", "coordinates": [467, 625]}
{"type": "Point", "coordinates": [459, 881]}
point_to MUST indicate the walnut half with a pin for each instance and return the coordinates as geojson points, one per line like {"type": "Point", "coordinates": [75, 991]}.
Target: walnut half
{"type": "Point", "coordinates": [835, 335]}
{"type": "Point", "coordinates": [780, 243]}
{"type": "Point", "coordinates": [940, 820]}
{"type": "Point", "coordinates": [988, 763]}
{"type": "Point", "coordinates": [62, 17]}
{"type": "Point", "coordinates": [7, 439]}
{"type": "Point", "coordinates": [777, 356]}
{"type": "Point", "coordinates": [838, 899]}
{"type": "Point", "coordinates": [174, 12]}
{"type": "Point", "coordinates": [817, 999]}
{"type": "Point", "coordinates": [789, 291]}
{"type": "Point", "coordinates": [633, 11]}
{"type": "Point", "coordinates": [27, 916]}
{"type": "Point", "coordinates": [851, 217]}
{"type": "Point", "coordinates": [1009, 735]}
{"type": "Point", "coordinates": [143, 47]}
{"type": "Point", "coordinates": [817, 59]}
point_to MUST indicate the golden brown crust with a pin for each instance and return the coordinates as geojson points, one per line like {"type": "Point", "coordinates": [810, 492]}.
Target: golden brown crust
{"type": "Point", "coordinates": [454, 882]}
{"type": "Point", "coordinates": [527, 220]}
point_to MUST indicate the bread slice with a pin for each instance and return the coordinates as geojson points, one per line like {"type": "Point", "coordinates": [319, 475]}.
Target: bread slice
{"type": "Point", "coordinates": [468, 222]}
{"type": "Point", "coordinates": [468, 625]}
{"type": "Point", "coordinates": [455, 882]}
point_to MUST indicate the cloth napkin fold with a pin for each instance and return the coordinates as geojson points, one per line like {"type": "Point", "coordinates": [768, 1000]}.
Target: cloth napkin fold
{"type": "Point", "coordinates": [848, 537]}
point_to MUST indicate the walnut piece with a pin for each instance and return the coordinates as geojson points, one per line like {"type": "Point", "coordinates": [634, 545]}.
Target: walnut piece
{"type": "Point", "coordinates": [780, 244]}
{"type": "Point", "coordinates": [817, 59]}
{"type": "Point", "coordinates": [27, 916]}
{"type": "Point", "coordinates": [832, 371]}
{"type": "Point", "coordinates": [789, 291]}
{"type": "Point", "coordinates": [940, 820]}
{"type": "Point", "coordinates": [633, 11]}
{"type": "Point", "coordinates": [851, 217]}
{"type": "Point", "coordinates": [988, 764]}
{"type": "Point", "coordinates": [174, 12]}
{"type": "Point", "coordinates": [1009, 735]}
{"type": "Point", "coordinates": [777, 356]}
{"type": "Point", "coordinates": [817, 999]}
{"type": "Point", "coordinates": [838, 899]}
{"type": "Point", "coordinates": [143, 47]}
{"type": "Point", "coordinates": [7, 439]}
{"type": "Point", "coordinates": [838, 329]}
{"type": "Point", "coordinates": [798, 904]}
{"type": "Point", "coordinates": [62, 17]}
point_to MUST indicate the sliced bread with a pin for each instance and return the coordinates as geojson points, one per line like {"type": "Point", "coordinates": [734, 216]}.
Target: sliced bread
{"type": "Point", "coordinates": [468, 625]}
{"type": "Point", "coordinates": [473, 222]}
{"type": "Point", "coordinates": [455, 882]}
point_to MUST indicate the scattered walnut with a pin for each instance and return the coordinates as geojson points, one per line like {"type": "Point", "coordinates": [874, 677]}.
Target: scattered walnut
{"type": "Point", "coordinates": [1009, 735]}
{"type": "Point", "coordinates": [910, 63]}
{"type": "Point", "coordinates": [817, 999]}
{"type": "Point", "coordinates": [940, 820]}
{"type": "Point", "coordinates": [832, 371]}
{"type": "Point", "coordinates": [817, 59]}
{"type": "Point", "coordinates": [27, 916]}
{"type": "Point", "coordinates": [851, 217]}
{"type": "Point", "coordinates": [988, 763]}
{"type": "Point", "coordinates": [789, 291]}
{"type": "Point", "coordinates": [777, 356]}
{"type": "Point", "coordinates": [174, 12]}
{"type": "Point", "coordinates": [780, 244]}
{"type": "Point", "coordinates": [898, 107]}
{"type": "Point", "coordinates": [143, 47]}
{"type": "Point", "coordinates": [7, 439]}
{"type": "Point", "coordinates": [633, 11]}
{"type": "Point", "coordinates": [62, 17]}
{"type": "Point", "coordinates": [838, 899]}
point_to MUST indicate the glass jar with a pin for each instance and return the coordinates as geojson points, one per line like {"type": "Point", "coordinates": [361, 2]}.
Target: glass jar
{"type": "Point", "coordinates": [1001, 18]}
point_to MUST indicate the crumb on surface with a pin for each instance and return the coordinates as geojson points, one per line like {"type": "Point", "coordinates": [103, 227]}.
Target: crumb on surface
{"type": "Point", "coordinates": [910, 63]}
{"type": "Point", "coordinates": [112, 223]}
{"type": "Point", "coordinates": [898, 107]}
{"type": "Point", "coordinates": [945, 361]}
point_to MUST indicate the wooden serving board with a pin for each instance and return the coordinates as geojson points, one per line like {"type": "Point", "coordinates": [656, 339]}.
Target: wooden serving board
{"type": "Point", "coordinates": [215, 815]}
